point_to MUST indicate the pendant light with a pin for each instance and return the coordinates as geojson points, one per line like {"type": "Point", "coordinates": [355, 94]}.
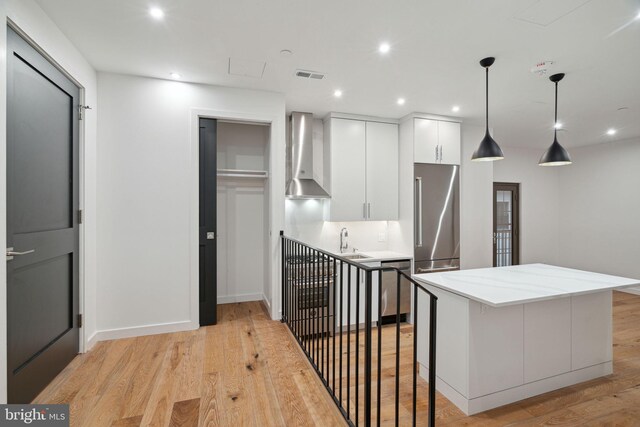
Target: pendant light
{"type": "Point", "coordinates": [488, 150]}
{"type": "Point", "coordinates": [556, 155]}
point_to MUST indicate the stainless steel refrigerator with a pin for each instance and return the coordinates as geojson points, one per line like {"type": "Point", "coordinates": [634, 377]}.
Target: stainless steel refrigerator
{"type": "Point", "coordinates": [437, 217]}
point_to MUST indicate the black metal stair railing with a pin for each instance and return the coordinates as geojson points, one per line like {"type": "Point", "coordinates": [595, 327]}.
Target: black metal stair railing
{"type": "Point", "coordinates": [322, 294]}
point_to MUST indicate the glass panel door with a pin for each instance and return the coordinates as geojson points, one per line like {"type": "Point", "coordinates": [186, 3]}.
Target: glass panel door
{"type": "Point", "coordinates": [505, 224]}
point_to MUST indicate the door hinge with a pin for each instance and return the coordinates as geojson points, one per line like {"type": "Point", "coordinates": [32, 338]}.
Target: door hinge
{"type": "Point", "coordinates": [81, 109]}
{"type": "Point", "coordinates": [80, 216]}
{"type": "Point", "coordinates": [79, 320]}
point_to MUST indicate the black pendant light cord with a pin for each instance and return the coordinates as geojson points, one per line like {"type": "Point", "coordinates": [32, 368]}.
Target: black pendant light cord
{"type": "Point", "coordinates": [486, 97]}
{"type": "Point", "coordinates": [555, 123]}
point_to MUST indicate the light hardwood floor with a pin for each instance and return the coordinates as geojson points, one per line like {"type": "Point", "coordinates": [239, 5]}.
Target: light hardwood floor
{"type": "Point", "coordinates": [248, 370]}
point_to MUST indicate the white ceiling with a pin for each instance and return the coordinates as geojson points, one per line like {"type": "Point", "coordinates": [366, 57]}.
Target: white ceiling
{"type": "Point", "coordinates": [433, 62]}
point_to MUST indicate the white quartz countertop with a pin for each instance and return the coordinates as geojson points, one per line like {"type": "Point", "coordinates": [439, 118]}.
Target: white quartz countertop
{"type": "Point", "coordinates": [521, 284]}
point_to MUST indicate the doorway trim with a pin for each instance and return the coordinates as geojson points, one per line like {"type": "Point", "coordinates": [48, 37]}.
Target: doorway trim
{"type": "Point", "coordinates": [194, 203]}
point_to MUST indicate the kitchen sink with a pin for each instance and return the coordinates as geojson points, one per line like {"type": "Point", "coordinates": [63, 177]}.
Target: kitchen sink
{"type": "Point", "coordinates": [352, 257]}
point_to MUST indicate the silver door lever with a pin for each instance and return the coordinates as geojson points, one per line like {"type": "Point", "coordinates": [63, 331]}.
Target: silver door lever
{"type": "Point", "coordinates": [11, 253]}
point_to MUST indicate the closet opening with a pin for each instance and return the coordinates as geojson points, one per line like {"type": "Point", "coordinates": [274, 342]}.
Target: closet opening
{"type": "Point", "coordinates": [234, 214]}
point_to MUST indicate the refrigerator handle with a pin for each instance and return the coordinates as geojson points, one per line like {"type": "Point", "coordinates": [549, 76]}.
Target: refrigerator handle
{"type": "Point", "coordinates": [418, 215]}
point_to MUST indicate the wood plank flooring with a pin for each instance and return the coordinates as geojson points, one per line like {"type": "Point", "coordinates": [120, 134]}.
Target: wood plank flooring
{"type": "Point", "coordinates": [248, 370]}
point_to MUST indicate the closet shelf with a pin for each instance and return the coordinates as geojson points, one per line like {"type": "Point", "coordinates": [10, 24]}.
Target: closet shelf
{"type": "Point", "coordinates": [240, 173]}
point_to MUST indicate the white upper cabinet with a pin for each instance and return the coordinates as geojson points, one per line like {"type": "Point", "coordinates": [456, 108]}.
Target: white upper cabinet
{"type": "Point", "coordinates": [382, 171]}
{"type": "Point", "coordinates": [348, 170]}
{"type": "Point", "coordinates": [362, 171]}
{"type": "Point", "coordinates": [449, 139]}
{"type": "Point", "coordinates": [425, 141]}
{"type": "Point", "coordinates": [436, 141]}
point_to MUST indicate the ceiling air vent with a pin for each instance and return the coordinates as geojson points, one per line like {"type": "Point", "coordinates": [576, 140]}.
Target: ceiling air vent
{"type": "Point", "coordinates": [310, 74]}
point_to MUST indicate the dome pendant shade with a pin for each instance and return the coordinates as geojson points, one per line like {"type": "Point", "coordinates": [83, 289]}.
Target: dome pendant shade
{"type": "Point", "coordinates": [488, 150]}
{"type": "Point", "coordinates": [556, 155]}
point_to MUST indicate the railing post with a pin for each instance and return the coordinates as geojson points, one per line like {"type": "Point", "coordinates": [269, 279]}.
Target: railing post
{"type": "Point", "coordinates": [432, 360]}
{"type": "Point", "coordinates": [367, 348]}
{"type": "Point", "coordinates": [282, 278]}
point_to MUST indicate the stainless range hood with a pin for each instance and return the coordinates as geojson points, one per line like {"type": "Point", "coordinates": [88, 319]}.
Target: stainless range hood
{"type": "Point", "coordinates": [300, 182]}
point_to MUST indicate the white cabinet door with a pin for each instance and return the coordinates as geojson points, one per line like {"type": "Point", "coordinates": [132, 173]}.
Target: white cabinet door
{"type": "Point", "coordinates": [591, 328]}
{"type": "Point", "coordinates": [547, 339]}
{"type": "Point", "coordinates": [449, 140]}
{"type": "Point", "coordinates": [348, 140]}
{"type": "Point", "coordinates": [425, 140]}
{"type": "Point", "coordinates": [350, 310]}
{"type": "Point", "coordinates": [496, 348]}
{"type": "Point", "coordinates": [382, 171]}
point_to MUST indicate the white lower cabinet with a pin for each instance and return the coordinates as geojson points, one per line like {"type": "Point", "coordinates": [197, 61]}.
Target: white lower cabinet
{"type": "Point", "coordinates": [349, 307]}
{"type": "Point", "coordinates": [496, 346]}
{"type": "Point", "coordinates": [591, 328]}
{"type": "Point", "coordinates": [487, 357]}
{"type": "Point", "coordinates": [547, 339]}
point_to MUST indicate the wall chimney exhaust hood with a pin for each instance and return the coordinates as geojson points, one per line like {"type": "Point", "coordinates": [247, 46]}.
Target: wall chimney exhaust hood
{"type": "Point", "coordinates": [300, 182]}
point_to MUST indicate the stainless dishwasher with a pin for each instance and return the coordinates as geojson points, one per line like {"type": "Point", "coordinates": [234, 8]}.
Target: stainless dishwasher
{"type": "Point", "coordinates": [390, 291]}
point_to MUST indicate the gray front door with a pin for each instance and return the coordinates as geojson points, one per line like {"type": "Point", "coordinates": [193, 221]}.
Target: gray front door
{"type": "Point", "coordinates": [42, 222]}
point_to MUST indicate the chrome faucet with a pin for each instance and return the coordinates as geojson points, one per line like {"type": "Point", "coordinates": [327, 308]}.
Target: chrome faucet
{"type": "Point", "coordinates": [344, 243]}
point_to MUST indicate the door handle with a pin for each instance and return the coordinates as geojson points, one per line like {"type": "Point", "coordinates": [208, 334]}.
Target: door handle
{"type": "Point", "coordinates": [436, 153]}
{"type": "Point", "coordinates": [441, 154]}
{"type": "Point", "coordinates": [418, 202]}
{"type": "Point", "coordinates": [11, 253]}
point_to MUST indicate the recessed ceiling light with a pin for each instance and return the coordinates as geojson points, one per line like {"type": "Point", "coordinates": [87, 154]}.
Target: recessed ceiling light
{"type": "Point", "coordinates": [337, 93]}
{"type": "Point", "coordinates": [558, 125]}
{"type": "Point", "coordinates": [156, 13]}
{"type": "Point", "coordinates": [175, 76]}
{"type": "Point", "coordinates": [384, 48]}
{"type": "Point", "coordinates": [401, 101]}
{"type": "Point", "coordinates": [455, 108]}
{"type": "Point", "coordinates": [611, 131]}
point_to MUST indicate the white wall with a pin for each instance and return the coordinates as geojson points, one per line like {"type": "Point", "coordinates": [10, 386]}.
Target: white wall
{"type": "Point", "coordinates": [31, 20]}
{"type": "Point", "coordinates": [476, 210]}
{"type": "Point", "coordinates": [147, 145]}
{"type": "Point", "coordinates": [539, 202]}
{"type": "Point", "coordinates": [600, 209]}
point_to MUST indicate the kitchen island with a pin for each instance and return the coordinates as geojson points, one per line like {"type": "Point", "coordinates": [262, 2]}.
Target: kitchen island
{"type": "Point", "coordinates": [505, 334]}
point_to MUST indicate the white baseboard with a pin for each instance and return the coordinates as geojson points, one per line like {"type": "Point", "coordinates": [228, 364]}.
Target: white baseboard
{"type": "Point", "coordinates": [266, 303]}
{"type": "Point", "coordinates": [138, 331]}
{"type": "Point", "coordinates": [504, 397]}
{"type": "Point", "coordinates": [228, 299]}
{"type": "Point", "coordinates": [635, 291]}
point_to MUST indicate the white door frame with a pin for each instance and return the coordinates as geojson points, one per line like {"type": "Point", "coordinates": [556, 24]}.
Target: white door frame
{"type": "Point", "coordinates": [194, 203]}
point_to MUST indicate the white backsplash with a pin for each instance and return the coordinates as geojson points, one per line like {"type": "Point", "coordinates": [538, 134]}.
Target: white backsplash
{"type": "Point", "coordinates": [304, 221]}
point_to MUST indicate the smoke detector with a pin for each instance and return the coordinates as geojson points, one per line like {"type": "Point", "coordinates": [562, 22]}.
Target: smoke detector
{"type": "Point", "coordinates": [542, 68]}
{"type": "Point", "coordinates": [310, 74]}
